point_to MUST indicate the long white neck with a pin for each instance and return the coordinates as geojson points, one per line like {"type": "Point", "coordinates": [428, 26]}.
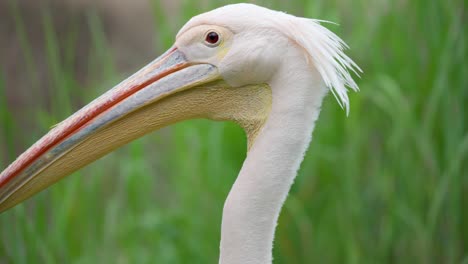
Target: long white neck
{"type": "Point", "coordinates": [253, 205]}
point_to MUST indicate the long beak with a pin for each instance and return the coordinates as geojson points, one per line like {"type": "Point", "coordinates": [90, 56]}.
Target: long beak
{"type": "Point", "coordinates": [129, 110]}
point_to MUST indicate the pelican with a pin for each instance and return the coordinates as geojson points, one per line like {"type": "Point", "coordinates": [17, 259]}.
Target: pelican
{"type": "Point", "coordinates": [266, 70]}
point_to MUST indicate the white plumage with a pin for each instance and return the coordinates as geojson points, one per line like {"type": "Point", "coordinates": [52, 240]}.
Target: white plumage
{"type": "Point", "coordinates": [299, 59]}
{"type": "Point", "coordinates": [264, 69]}
{"type": "Point", "coordinates": [322, 47]}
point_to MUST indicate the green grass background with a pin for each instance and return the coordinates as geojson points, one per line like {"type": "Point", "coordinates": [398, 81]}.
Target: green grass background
{"type": "Point", "coordinates": [388, 184]}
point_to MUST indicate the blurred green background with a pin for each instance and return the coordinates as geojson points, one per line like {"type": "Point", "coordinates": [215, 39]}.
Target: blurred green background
{"type": "Point", "coordinates": [388, 184]}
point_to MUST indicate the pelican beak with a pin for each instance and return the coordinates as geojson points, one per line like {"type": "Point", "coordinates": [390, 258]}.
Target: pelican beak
{"type": "Point", "coordinates": [157, 95]}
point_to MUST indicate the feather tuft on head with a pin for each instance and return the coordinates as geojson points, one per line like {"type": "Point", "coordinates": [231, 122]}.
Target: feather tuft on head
{"type": "Point", "coordinates": [325, 50]}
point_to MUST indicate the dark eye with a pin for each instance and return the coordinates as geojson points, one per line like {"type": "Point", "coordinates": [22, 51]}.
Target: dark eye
{"type": "Point", "coordinates": [212, 38]}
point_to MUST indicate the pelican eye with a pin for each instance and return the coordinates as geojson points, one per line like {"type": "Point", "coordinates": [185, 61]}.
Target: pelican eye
{"type": "Point", "coordinates": [212, 38]}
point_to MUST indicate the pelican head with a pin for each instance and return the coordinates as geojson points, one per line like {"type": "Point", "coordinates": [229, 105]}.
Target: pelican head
{"type": "Point", "coordinates": [266, 70]}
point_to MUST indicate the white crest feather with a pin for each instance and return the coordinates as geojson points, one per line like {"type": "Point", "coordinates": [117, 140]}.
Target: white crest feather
{"type": "Point", "coordinates": [326, 50]}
